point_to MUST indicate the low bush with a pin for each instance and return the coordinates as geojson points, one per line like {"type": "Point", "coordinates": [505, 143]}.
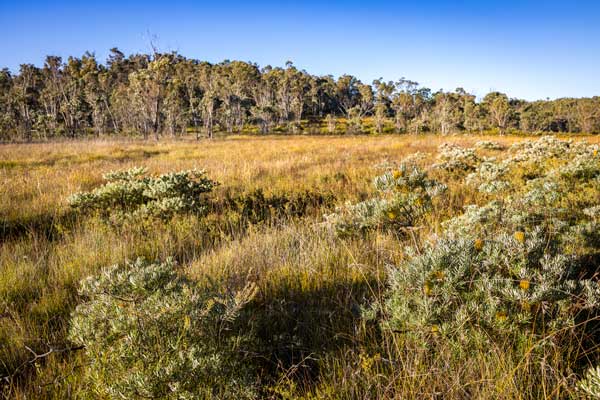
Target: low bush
{"type": "Point", "coordinates": [405, 196]}
{"type": "Point", "coordinates": [133, 194]}
{"type": "Point", "coordinates": [150, 333]}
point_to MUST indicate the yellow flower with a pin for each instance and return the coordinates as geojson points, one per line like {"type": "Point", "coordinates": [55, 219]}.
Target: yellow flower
{"type": "Point", "coordinates": [391, 215]}
{"type": "Point", "coordinates": [520, 236]}
{"type": "Point", "coordinates": [435, 329]}
{"type": "Point", "coordinates": [186, 322]}
{"type": "Point", "coordinates": [478, 244]}
{"type": "Point", "coordinates": [439, 275]}
{"type": "Point", "coordinates": [595, 153]}
{"type": "Point", "coordinates": [524, 284]}
{"type": "Point", "coordinates": [427, 289]}
{"type": "Point", "coordinates": [501, 316]}
{"type": "Point", "coordinates": [419, 201]}
{"type": "Point", "coordinates": [397, 174]}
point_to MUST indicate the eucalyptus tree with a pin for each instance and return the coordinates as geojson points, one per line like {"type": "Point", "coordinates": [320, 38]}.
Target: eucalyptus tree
{"type": "Point", "coordinates": [147, 90]}
{"type": "Point", "coordinates": [7, 110]}
{"type": "Point", "coordinates": [383, 94]}
{"type": "Point", "coordinates": [96, 92]}
{"type": "Point", "coordinates": [499, 110]}
{"type": "Point", "coordinates": [446, 112]}
{"type": "Point", "coordinates": [26, 90]}
{"type": "Point", "coordinates": [209, 81]}
{"type": "Point", "coordinates": [236, 80]}
{"type": "Point", "coordinates": [404, 103]}
{"type": "Point", "coordinates": [587, 113]}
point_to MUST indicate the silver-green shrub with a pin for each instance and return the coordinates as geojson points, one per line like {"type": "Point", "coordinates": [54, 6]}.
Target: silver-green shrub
{"type": "Point", "coordinates": [456, 159]}
{"type": "Point", "coordinates": [150, 333]}
{"type": "Point", "coordinates": [489, 145]}
{"type": "Point", "coordinates": [133, 194]}
{"type": "Point", "coordinates": [512, 268]}
{"type": "Point", "coordinates": [469, 287]}
{"type": "Point", "coordinates": [590, 384]}
{"type": "Point", "coordinates": [405, 195]}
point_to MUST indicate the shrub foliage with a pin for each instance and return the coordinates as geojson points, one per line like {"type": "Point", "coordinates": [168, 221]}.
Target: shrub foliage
{"type": "Point", "coordinates": [134, 194]}
{"type": "Point", "coordinates": [149, 333]}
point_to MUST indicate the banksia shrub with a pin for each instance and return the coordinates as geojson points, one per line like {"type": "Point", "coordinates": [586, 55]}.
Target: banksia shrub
{"type": "Point", "coordinates": [489, 145]}
{"type": "Point", "coordinates": [518, 270]}
{"type": "Point", "coordinates": [589, 386]}
{"type": "Point", "coordinates": [405, 196]}
{"type": "Point", "coordinates": [509, 284]}
{"type": "Point", "coordinates": [133, 194]}
{"type": "Point", "coordinates": [150, 333]}
{"type": "Point", "coordinates": [456, 159]}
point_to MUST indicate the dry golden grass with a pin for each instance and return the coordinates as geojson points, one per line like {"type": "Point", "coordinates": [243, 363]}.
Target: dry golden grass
{"type": "Point", "coordinates": [45, 251]}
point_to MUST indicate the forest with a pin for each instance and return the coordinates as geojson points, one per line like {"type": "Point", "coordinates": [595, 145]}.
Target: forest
{"type": "Point", "coordinates": [168, 95]}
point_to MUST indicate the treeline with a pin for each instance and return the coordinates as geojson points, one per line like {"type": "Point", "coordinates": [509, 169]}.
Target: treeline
{"type": "Point", "coordinates": [167, 94]}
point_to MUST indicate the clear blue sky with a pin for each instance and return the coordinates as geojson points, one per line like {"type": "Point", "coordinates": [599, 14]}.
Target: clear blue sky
{"type": "Point", "coordinates": [529, 49]}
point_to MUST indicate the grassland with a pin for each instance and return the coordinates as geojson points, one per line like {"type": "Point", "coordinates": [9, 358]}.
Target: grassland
{"type": "Point", "coordinates": [263, 225]}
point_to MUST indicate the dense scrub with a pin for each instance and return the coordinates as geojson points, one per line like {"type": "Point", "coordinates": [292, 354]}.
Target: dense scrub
{"type": "Point", "coordinates": [464, 271]}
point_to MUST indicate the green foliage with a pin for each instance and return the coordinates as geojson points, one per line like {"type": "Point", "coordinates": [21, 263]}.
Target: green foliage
{"type": "Point", "coordinates": [489, 145]}
{"type": "Point", "coordinates": [405, 196]}
{"type": "Point", "coordinates": [515, 268]}
{"type": "Point", "coordinates": [464, 289]}
{"type": "Point", "coordinates": [149, 333]}
{"type": "Point", "coordinates": [590, 384]}
{"type": "Point", "coordinates": [166, 93]}
{"type": "Point", "coordinates": [456, 159]}
{"type": "Point", "coordinates": [132, 194]}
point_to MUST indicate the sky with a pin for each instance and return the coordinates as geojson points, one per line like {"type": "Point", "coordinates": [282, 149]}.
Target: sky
{"type": "Point", "coordinates": [527, 49]}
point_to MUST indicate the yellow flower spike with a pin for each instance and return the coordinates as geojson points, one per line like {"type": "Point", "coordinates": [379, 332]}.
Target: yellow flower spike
{"type": "Point", "coordinates": [520, 236]}
{"type": "Point", "coordinates": [186, 322]}
{"type": "Point", "coordinates": [427, 288]}
{"type": "Point", "coordinates": [435, 329]}
{"type": "Point", "coordinates": [478, 244]}
{"type": "Point", "coordinates": [524, 284]}
{"type": "Point", "coordinates": [391, 215]}
{"type": "Point", "coordinates": [397, 174]}
{"type": "Point", "coordinates": [501, 316]}
{"type": "Point", "coordinates": [595, 153]}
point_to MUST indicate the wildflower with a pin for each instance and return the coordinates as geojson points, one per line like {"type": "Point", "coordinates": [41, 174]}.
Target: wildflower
{"type": "Point", "coordinates": [439, 275]}
{"type": "Point", "coordinates": [478, 244]}
{"type": "Point", "coordinates": [520, 236]}
{"type": "Point", "coordinates": [367, 362]}
{"type": "Point", "coordinates": [501, 316]}
{"type": "Point", "coordinates": [186, 322]}
{"type": "Point", "coordinates": [427, 288]}
{"type": "Point", "coordinates": [595, 153]}
{"type": "Point", "coordinates": [391, 215]}
{"type": "Point", "coordinates": [398, 174]}
{"type": "Point", "coordinates": [435, 329]}
{"type": "Point", "coordinates": [524, 284]}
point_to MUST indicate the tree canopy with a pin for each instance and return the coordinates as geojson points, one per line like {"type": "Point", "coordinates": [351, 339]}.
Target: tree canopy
{"type": "Point", "coordinates": [167, 94]}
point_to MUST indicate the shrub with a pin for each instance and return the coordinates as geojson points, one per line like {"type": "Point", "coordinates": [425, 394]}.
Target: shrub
{"type": "Point", "coordinates": [456, 159]}
{"type": "Point", "coordinates": [150, 333]}
{"type": "Point", "coordinates": [405, 196]}
{"type": "Point", "coordinates": [472, 288]}
{"type": "Point", "coordinates": [132, 194]}
{"type": "Point", "coordinates": [489, 177]}
{"type": "Point", "coordinates": [515, 268]}
{"type": "Point", "coordinates": [590, 384]}
{"type": "Point", "coordinates": [489, 145]}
